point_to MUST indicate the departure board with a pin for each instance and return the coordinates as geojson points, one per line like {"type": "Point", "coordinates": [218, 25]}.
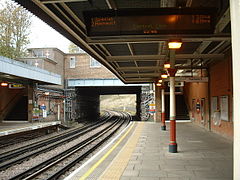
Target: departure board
{"type": "Point", "coordinates": [149, 21]}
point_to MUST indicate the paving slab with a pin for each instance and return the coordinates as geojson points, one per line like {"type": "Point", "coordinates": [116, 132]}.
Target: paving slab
{"type": "Point", "coordinates": [202, 155]}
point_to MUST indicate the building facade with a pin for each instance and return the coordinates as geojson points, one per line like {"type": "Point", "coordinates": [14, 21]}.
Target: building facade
{"type": "Point", "coordinates": [51, 101]}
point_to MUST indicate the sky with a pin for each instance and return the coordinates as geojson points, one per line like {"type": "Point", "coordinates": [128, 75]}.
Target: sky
{"type": "Point", "coordinates": [43, 35]}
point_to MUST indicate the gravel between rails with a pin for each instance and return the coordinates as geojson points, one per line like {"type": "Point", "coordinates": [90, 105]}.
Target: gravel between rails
{"type": "Point", "coordinates": [21, 144]}
{"type": "Point", "coordinates": [16, 169]}
{"type": "Point", "coordinates": [91, 154]}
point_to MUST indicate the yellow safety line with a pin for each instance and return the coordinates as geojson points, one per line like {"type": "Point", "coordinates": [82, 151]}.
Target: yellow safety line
{"type": "Point", "coordinates": [105, 156]}
{"type": "Point", "coordinates": [118, 165]}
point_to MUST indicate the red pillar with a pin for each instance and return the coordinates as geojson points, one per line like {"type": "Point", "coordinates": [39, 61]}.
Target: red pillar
{"type": "Point", "coordinates": [163, 127]}
{"type": "Point", "coordinates": [173, 141]}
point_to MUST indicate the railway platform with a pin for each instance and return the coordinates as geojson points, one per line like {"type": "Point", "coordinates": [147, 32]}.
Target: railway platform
{"type": "Point", "coordinates": [13, 127]}
{"type": "Point", "coordinates": [140, 152]}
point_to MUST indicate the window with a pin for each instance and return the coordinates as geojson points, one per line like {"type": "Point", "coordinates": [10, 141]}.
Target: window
{"type": "Point", "coordinates": [72, 62]}
{"type": "Point", "coordinates": [94, 63]}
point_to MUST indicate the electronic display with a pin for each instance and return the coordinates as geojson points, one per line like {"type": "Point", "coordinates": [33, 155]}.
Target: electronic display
{"type": "Point", "coordinates": [149, 21]}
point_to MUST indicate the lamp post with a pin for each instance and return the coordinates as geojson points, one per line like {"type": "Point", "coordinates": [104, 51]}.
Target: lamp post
{"type": "Point", "coordinates": [163, 127]}
{"type": "Point", "coordinates": [173, 45]}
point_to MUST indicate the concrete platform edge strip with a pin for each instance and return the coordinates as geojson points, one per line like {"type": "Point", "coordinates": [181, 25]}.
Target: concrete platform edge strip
{"type": "Point", "coordinates": [28, 128]}
{"type": "Point", "coordinates": [98, 153]}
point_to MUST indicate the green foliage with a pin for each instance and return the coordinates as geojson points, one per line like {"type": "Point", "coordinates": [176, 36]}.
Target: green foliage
{"type": "Point", "coordinates": [72, 48]}
{"type": "Point", "coordinates": [15, 25]}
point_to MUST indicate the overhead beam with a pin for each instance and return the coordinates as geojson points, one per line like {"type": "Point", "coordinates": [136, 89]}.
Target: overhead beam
{"type": "Point", "coordinates": [111, 4]}
{"type": "Point", "coordinates": [60, 1]}
{"type": "Point", "coordinates": [133, 68]}
{"type": "Point", "coordinates": [140, 80]}
{"type": "Point", "coordinates": [142, 75]}
{"type": "Point", "coordinates": [189, 3]}
{"type": "Point", "coordinates": [162, 57]}
{"type": "Point", "coordinates": [223, 22]}
{"type": "Point", "coordinates": [151, 39]}
{"type": "Point", "coordinates": [73, 15]}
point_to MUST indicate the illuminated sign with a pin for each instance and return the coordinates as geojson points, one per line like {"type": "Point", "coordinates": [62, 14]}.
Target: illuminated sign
{"type": "Point", "coordinates": [149, 21]}
{"type": "Point", "coordinates": [16, 86]}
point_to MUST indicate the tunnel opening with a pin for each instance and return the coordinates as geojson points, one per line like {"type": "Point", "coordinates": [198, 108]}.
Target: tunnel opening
{"type": "Point", "coordinates": [88, 101]}
{"type": "Point", "coordinates": [119, 102]}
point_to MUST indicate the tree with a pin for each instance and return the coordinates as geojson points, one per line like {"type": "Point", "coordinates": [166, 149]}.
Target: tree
{"type": "Point", "coordinates": [72, 48]}
{"type": "Point", "coordinates": [15, 25]}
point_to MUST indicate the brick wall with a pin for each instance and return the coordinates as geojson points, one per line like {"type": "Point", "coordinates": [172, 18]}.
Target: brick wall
{"type": "Point", "coordinates": [220, 84]}
{"type": "Point", "coordinates": [196, 92]}
{"type": "Point", "coordinates": [83, 69]}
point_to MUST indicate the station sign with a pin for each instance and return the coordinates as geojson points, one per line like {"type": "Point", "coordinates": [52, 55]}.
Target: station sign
{"type": "Point", "coordinates": [152, 108]}
{"type": "Point", "coordinates": [149, 21]}
{"type": "Point", "coordinates": [15, 86]}
{"type": "Point", "coordinates": [197, 79]}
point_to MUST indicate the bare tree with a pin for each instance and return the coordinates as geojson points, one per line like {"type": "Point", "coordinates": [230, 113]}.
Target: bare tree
{"type": "Point", "coordinates": [15, 25]}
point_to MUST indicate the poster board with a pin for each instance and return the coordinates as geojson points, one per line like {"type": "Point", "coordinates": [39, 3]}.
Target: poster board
{"type": "Point", "coordinates": [214, 105]}
{"type": "Point", "coordinates": [224, 108]}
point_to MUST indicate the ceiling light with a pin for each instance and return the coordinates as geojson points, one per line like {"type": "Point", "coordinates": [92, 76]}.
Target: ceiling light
{"type": "Point", "coordinates": [164, 75]}
{"type": "Point", "coordinates": [166, 65]}
{"type": "Point", "coordinates": [4, 84]}
{"type": "Point", "coordinates": [160, 80]}
{"type": "Point", "coordinates": [174, 44]}
{"type": "Point", "coordinates": [158, 84]}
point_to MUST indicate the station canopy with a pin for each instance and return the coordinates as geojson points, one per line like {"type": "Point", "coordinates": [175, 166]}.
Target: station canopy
{"type": "Point", "coordinates": [130, 37]}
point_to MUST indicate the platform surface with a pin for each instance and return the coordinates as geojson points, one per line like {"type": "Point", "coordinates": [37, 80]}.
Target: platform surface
{"type": "Point", "coordinates": [143, 155]}
{"type": "Point", "coordinates": [11, 127]}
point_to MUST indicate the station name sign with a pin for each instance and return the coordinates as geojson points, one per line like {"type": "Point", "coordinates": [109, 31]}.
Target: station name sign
{"type": "Point", "coordinates": [149, 21]}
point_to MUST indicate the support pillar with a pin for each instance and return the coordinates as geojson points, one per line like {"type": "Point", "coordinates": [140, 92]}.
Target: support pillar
{"type": "Point", "coordinates": [30, 102]}
{"type": "Point", "coordinates": [158, 103]}
{"type": "Point", "coordinates": [235, 24]}
{"type": "Point", "coordinates": [163, 127]}
{"type": "Point", "coordinates": [138, 107]}
{"type": "Point", "coordinates": [87, 105]}
{"type": "Point", "coordinates": [171, 72]}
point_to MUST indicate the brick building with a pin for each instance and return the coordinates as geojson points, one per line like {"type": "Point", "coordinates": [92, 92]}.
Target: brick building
{"type": "Point", "coordinates": [73, 66]}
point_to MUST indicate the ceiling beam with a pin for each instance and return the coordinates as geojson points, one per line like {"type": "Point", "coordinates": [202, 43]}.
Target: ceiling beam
{"type": "Point", "coordinates": [122, 40]}
{"type": "Point", "coordinates": [73, 15]}
{"type": "Point", "coordinates": [223, 22]}
{"type": "Point", "coordinates": [133, 68]}
{"type": "Point", "coordinates": [142, 74]}
{"type": "Point", "coordinates": [60, 1]}
{"type": "Point", "coordinates": [137, 80]}
{"type": "Point", "coordinates": [162, 57]}
{"type": "Point", "coordinates": [69, 20]}
{"type": "Point", "coordinates": [111, 4]}
{"type": "Point", "coordinates": [189, 3]}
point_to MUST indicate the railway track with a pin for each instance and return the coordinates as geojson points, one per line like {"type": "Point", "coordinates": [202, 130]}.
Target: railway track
{"type": "Point", "coordinates": [17, 155]}
{"type": "Point", "coordinates": [55, 166]}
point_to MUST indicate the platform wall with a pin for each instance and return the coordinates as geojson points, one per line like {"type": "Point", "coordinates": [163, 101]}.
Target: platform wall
{"type": "Point", "coordinates": [214, 96]}
{"type": "Point", "coordinates": [221, 86]}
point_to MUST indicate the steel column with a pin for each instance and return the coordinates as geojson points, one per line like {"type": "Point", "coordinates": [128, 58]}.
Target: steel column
{"type": "Point", "coordinates": [235, 24]}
